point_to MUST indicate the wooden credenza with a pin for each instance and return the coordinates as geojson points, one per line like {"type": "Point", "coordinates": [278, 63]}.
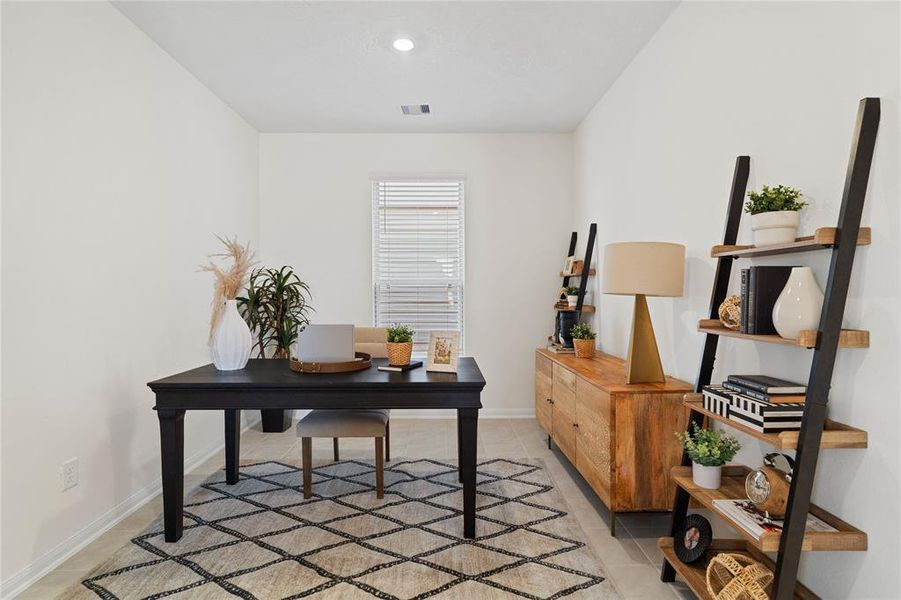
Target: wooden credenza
{"type": "Point", "coordinates": [621, 437]}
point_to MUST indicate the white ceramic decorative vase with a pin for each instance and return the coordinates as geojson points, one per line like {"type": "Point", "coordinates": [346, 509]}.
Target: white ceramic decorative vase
{"type": "Point", "coordinates": [798, 306]}
{"type": "Point", "coordinates": [706, 477]}
{"type": "Point", "coordinates": [776, 227]}
{"type": "Point", "coordinates": [232, 342]}
{"type": "Point", "coordinates": [572, 300]}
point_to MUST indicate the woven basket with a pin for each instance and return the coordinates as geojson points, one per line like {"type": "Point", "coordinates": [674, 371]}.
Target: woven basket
{"type": "Point", "coordinates": [737, 577]}
{"type": "Point", "coordinates": [399, 353]}
{"type": "Point", "coordinates": [584, 348]}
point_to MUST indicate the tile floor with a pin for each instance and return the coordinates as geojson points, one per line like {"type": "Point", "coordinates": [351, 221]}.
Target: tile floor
{"type": "Point", "coordinates": [631, 559]}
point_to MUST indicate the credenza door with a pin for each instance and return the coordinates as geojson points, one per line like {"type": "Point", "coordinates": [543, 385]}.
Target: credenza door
{"type": "Point", "coordinates": [564, 413]}
{"type": "Point", "coordinates": [594, 440]}
{"type": "Point", "coordinates": [544, 384]}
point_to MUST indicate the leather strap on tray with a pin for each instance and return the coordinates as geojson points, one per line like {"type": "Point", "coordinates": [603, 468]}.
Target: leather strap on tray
{"type": "Point", "coordinates": [363, 361]}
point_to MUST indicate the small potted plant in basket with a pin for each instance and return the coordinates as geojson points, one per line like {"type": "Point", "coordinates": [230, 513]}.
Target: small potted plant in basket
{"type": "Point", "coordinates": [400, 344]}
{"type": "Point", "coordinates": [774, 214]}
{"type": "Point", "coordinates": [709, 450]}
{"type": "Point", "coordinates": [583, 340]}
{"type": "Point", "coordinates": [572, 296]}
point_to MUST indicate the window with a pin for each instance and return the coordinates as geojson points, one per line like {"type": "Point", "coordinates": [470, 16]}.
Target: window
{"type": "Point", "coordinates": [417, 255]}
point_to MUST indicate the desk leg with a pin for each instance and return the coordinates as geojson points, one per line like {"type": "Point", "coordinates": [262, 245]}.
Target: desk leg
{"type": "Point", "coordinates": [172, 452]}
{"type": "Point", "coordinates": [232, 444]}
{"type": "Point", "coordinates": [459, 449]}
{"type": "Point", "coordinates": [468, 419]}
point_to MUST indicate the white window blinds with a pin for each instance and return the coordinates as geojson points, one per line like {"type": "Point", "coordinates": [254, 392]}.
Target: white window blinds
{"type": "Point", "coordinates": [417, 255]}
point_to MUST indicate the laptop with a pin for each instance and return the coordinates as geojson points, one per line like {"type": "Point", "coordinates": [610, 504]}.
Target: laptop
{"type": "Point", "coordinates": [326, 343]}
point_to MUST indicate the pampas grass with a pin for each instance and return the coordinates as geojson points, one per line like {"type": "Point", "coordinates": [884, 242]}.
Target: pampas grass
{"type": "Point", "coordinates": [230, 281]}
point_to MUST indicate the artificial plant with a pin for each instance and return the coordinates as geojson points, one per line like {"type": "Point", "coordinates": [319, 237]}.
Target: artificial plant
{"type": "Point", "coordinates": [276, 307]}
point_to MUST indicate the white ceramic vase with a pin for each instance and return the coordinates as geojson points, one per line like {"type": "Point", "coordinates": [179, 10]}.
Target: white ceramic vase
{"type": "Point", "coordinates": [776, 227]}
{"type": "Point", "coordinates": [572, 300]}
{"type": "Point", "coordinates": [706, 477]}
{"type": "Point", "coordinates": [232, 342]}
{"type": "Point", "coordinates": [798, 306]}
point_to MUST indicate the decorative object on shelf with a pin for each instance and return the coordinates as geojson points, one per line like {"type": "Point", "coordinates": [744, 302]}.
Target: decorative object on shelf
{"type": "Point", "coordinates": [565, 322]}
{"type": "Point", "coordinates": [730, 312]}
{"type": "Point", "coordinates": [230, 341]}
{"type": "Point", "coordinates": [583, 339]}
{"type": "Point", "coordinates": [708, 450]}
{"type": "Point", "coordinates": [568, 264]}
{"type": "Point", "coordinates": [400, 344]}
{"type": "Point", "coordinates": [760, 287]}
{"type": "Point", "coordinates": [692, 539]}
{"type": "Point", "coordinates": [766, 388]}
{"type": "Point", "coordinates": [577, 268]}
{"type": "Point", "coordinates": [444, 349]}
{"type": "Point", "coordinates": [774, 214]}
{"type": "Point", "coordinates": [767, 487]}
{"type": "Point", "coordinates": [760, 415]}
{"type": "Point", "coordinates": [644, 269]}
{"type": "Point", "coordinates": [799, 305]}
{"type": "Point", "coordinates": [737, 577]}
{"type": "Point", "coordinates": [572, 296]}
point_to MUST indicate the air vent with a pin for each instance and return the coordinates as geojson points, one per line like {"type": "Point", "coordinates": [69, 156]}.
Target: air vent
{"type": "Point", "coordinates": [415, 109]}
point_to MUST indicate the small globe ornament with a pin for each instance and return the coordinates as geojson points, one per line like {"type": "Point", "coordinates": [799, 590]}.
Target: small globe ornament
{"type": "Point", "coordinates": [737, 577]}
{"type": "Point", "coordinates": [730, 312]}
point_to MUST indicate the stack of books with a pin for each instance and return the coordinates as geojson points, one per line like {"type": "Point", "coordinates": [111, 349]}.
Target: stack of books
{"type": "Point", "coordinates": [748, 517]}
{"type": "Point", "coordinates": [759, 402]}
{"type": "Point", "coordinates": [760, 287]}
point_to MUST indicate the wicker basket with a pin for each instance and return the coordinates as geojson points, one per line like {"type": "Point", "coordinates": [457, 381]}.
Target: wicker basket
{"type": "Point", "coordinates": [737, 577]}
{"type": "Point", "coordinates": [399, 353]}
{"type": "Point", "coordinates": [584, 348]}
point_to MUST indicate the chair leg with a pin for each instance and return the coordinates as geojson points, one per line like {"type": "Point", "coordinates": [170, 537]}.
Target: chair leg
{"type": "Point", "coordinates": [388, 441]}
{"type": "Point", "coordinates": [379, 469]}
{"type": "Point", "coordinates": [307, 451]}
{"type": "Point", "coordinates": [335, 444]}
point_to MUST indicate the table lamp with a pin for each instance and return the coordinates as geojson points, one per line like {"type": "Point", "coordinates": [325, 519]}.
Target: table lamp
{"type": "Point", "coordinates": [643, 269]}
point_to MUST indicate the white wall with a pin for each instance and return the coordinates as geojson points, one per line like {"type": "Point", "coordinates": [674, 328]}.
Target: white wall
{"type": "Point", "coordinates": [316, 215]}
{"type": "Point", "coordinates": [654, 161]}
{"type": "Point", "coordinates": [119, 168]}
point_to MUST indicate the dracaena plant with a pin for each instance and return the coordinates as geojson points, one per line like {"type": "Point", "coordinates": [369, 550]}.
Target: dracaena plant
{"type": "Point", "coordinates": [275, 306]}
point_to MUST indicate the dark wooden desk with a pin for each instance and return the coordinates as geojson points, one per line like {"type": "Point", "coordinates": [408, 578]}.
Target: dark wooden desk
{"type": "Point", "coordinates": [271, 384]}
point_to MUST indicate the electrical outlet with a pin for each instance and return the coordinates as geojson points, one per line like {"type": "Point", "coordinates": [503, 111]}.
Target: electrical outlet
{"type": "Point", "coordinates": [70, 473]}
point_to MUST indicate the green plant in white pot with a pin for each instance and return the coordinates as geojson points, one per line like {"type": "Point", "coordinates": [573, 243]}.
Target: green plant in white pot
{"type": "Point", "coordinates": [774, 214]}
{"type": "Point", "coordinates": [709, 450]}
{"type": "Point", "coordinates": [572, 296]}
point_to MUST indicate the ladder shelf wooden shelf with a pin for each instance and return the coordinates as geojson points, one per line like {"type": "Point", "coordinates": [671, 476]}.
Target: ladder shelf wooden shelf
{"type": "Point", "coordinates": [816, 430]}
{"type": "Point", "coordinates": [835, 434]}
{"type": "Point", "coordinates": [823, 238]}
{"type": "Point", "coordinates": [695, 575]}
{"type": "Point", "coordinates": [847, 537]}
{"type": "Point", "coordinates": [848, 338]}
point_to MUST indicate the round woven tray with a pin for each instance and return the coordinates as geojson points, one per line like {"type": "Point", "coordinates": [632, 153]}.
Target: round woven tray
{"type": "Point", "coordinates": [363, 362]}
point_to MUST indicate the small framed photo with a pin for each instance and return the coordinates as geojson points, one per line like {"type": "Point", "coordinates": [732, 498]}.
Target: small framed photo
{"type": "Point", "coordinates": [568, 264]}
{"type": "Point", "coordinates": [444, 349]}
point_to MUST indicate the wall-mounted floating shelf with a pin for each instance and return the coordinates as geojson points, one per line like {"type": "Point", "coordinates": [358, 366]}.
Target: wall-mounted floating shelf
{"type": "Point", "coordinates": [835, 434]}
{"type": "Point", "coordinates": [848, 338]}
{"type": "Point", "coordinates": [823, 238]}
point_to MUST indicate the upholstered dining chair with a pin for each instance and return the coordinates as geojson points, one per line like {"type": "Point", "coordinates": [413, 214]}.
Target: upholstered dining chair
{"type": "Point", "coordinates": [336, 424]}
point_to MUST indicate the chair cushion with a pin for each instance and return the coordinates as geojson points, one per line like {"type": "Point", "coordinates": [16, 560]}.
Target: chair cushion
{"type": "Point", "coordinates": [343, 423]}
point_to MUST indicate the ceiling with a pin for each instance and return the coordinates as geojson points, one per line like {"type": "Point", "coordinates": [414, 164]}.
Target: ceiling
{"type": "Point", "coordinates": [329, 66]}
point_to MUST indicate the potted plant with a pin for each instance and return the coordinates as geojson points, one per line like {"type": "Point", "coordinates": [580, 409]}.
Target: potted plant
{"type": "Point", "coordinates": [275, 307]}
{"type": "Point", "coordinates": [709, 450]}
{"type": "Point", "coordinates": [583, 340]}
{"type": "Point", "coordinates": [572, 296]}
{"type": "Point", "coordinates": [774, 214]}
{"type": "Point", "coordinates": [400, 344]}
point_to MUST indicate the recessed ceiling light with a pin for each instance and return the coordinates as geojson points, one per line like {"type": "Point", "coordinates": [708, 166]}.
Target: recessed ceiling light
{"type": "Point", "coordinates": [403, 44]}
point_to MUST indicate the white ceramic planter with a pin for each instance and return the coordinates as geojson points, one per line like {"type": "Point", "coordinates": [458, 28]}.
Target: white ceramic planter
{"type": "Point", "coordinates": [799, 305]}
{"type": "Point", "coordinates": [706, 477]}
{"type": "Point", "coordinates": [232, 342]}
{"type": "Point", "coordinates": [777, 227]}
{"type": "Point", "coordinates": [572, 300]}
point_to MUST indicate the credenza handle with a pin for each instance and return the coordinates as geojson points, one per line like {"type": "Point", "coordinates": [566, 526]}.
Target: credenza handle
{"type": "Point", "coordinates": [549, 400]}
{"type": "Point", "coordinates": [576, 425]}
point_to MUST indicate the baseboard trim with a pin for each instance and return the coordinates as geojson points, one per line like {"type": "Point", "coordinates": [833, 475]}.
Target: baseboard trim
{"type": "Point", "coordinates": [18, 583]}
{"type": "Point", "coordinates": [485, 413]}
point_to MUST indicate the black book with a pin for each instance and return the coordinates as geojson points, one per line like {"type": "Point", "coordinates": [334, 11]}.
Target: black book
{"type": "Point", "coordinates": [764, 286]}
{"type": "Point", "coordinates": [743, 306]}
{"type": "Point", "coordinates": [400, 369]}
{"type": "Point", "coordinates": [763, 396]}
{"type": "Point", "coordinates": [767, 384]}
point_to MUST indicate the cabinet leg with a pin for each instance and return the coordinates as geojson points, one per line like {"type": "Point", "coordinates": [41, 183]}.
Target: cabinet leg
{"type": "Point", "coordinates": [549, 445]}
{"type": "Point", "coordinates": [613, 523]}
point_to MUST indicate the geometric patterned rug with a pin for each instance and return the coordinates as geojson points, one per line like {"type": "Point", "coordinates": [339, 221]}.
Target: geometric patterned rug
{"type": "Point", "coordinates": [260, 539]}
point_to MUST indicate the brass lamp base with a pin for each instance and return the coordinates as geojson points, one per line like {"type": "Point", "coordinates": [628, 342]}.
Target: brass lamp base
{"type": "Point", "coordinates": [643, 364]}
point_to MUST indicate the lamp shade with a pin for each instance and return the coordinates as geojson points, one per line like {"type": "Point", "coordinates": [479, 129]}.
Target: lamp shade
{"type": "Point", "coordinates": [649, 268]}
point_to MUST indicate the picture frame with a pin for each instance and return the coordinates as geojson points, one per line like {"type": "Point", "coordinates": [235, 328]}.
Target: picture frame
{"type": "Point", "coordinates": [568, 264]}
{"type": "Point", "coordinates": [443, 351]}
